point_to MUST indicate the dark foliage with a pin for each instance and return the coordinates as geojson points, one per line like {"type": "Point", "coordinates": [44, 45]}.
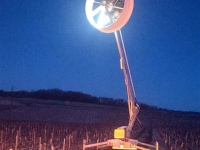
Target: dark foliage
{"type": "Point", "coordinates": [60, 95]}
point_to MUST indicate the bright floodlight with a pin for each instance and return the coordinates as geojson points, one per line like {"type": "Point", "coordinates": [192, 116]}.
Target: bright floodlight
{"type": "Point", "coordinates": [108, 15]}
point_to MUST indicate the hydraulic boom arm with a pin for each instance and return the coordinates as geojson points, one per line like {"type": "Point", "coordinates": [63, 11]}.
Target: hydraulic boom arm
{"type": "Point", "coordinates": [133, 107]}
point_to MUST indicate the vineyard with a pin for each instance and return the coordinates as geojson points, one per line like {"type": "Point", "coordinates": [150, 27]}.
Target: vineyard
{"type": "Point", "coordinates": [57, 127]}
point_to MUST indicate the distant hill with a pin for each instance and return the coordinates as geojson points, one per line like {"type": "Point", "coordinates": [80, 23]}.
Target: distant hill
{"type": "Point", "coordinates": [60, 95]}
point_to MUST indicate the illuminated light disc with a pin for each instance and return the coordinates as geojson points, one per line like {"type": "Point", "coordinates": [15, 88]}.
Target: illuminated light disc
{"type": "Point", "coordinates": [108, 15]}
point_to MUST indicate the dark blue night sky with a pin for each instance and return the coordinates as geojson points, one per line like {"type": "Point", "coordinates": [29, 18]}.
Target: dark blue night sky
{"type": "Point", "coordinates": [50, 44]}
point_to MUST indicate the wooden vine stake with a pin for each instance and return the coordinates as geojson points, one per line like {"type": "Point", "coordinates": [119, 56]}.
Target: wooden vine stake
{"type": "Point", "coordinates": [52, 147]}
{"type": "Point", "coordinates": [34, 137]}
{"type": "Point", "coordinates": [175, 147]}
{"type": "Point", "coordinates": [69, 140]}
{"type": "Point", "coordinates": [197, 144]}
{"type": "Point", "coordinates": [44, 146]}
{"type": "Point", "coordinates": [1, 136]}
{"type": "Point", "coordinates": [63, 144]}
{"type": "Point", "coordinates": [87, 138]}
{"type": "Point", "coordinates": [16, 141]}
{"type": "Point", "coordinates": [40, 143]}
{"type": "Point", "coordinates": [45, 137]}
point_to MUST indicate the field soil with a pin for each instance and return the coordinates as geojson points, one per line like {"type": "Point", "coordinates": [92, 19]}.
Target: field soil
{"type": "Point", "coordinates": [46, 124]}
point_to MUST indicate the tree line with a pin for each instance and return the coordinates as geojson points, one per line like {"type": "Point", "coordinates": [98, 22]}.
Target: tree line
{"type": "Point", "coordinates": [60, 95]}
{"type": "Point", "coordinates": [71, 96]}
